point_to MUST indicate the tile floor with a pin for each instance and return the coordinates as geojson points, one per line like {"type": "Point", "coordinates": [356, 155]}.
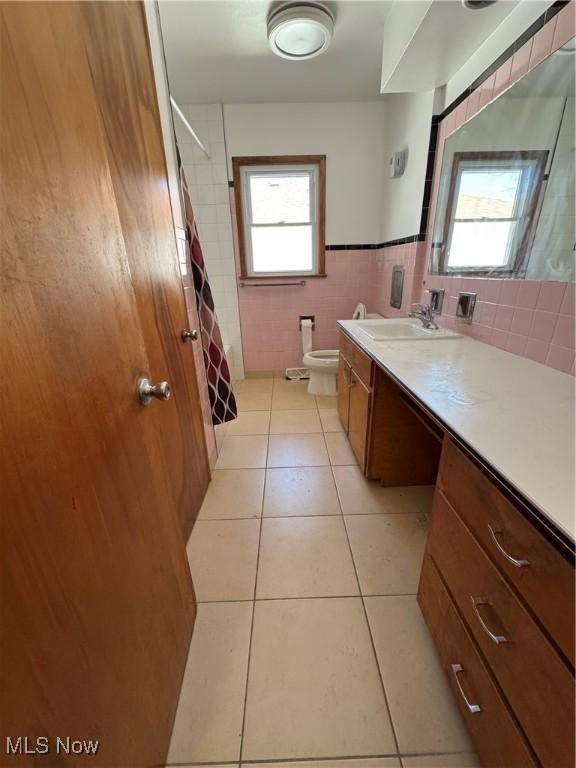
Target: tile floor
{"type": "Point", "coordinates": [309, 649]}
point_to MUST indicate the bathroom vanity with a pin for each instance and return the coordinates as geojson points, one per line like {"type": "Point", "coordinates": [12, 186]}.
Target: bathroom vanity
{"type": "Point", "coordinates": [493, 432]}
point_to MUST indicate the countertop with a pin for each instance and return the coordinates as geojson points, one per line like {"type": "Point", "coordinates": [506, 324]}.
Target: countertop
{"type": "Point", "coordinates": [515, 414]}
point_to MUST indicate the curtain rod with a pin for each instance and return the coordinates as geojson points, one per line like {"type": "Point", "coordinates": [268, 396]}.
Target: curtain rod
{"type": "Point", "coordinates": [188, 126]}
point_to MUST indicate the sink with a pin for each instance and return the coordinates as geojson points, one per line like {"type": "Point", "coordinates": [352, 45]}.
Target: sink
{"type": "Point", "coordinates": [402, 329]}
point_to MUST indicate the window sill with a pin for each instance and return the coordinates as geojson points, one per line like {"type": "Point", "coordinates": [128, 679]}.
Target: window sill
{"type": "Point", "coordinates": [282, 277]}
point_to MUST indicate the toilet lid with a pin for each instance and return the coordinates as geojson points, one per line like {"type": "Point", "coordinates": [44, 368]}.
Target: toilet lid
{"type": "Point", "coordinates": [360, 312]}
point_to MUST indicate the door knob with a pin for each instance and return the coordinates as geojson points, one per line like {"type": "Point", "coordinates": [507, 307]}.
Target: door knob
{"type": "Point", "coordinates": [146, 391]}
{"type": "Point", "coordinates": [186, 334]}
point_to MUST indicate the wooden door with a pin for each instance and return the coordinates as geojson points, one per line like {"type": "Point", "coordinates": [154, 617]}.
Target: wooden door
{"type": "Point", "coordinates": [359, 418]}
{"type": "Point", "coordinates": [343, 391]}
{"type": "Point", "coordinates": [96, 595]}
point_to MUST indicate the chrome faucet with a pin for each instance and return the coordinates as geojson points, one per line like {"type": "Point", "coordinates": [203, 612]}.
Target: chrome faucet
{"type": "Point", "coordinates": [424, 313]}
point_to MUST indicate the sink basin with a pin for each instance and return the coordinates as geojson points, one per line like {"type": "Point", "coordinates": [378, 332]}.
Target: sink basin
{"type": "Point", "coordinates": [402, 330]}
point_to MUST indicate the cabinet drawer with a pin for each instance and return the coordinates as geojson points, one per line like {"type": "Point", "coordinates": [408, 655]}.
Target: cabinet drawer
{"type": "Point", "coordinates": [493, 729]}
{"type": "Point", "coordinates": [533, 676]}
{"type": "Point", "coordinates": [360, 362]}
{"type": "Point", "coordinates": [541, 575]}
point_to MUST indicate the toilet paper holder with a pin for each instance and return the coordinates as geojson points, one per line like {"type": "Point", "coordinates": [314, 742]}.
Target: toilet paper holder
{"type": "Point", "coordinates": [306, 317]}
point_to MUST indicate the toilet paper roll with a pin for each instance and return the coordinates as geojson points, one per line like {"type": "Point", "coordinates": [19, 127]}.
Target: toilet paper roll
{"type": "Point", "coordinates": [306, 336]}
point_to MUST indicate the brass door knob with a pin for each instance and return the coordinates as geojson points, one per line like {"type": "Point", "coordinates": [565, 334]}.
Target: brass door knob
{"type": "Point", "coordinates": [146, 391]}
{"type": "Point", "coordinates": [186, 334]}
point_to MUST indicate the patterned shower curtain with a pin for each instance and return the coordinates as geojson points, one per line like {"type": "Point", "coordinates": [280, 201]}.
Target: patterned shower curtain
{"type": "Point", "coordinates": [222, 400]}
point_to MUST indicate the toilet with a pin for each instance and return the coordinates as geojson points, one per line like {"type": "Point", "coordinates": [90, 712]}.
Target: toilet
{"type": "Point", "coordinates": [323, 363]}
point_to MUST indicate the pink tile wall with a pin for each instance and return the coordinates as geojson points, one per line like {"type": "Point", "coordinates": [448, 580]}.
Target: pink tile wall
{"type": "Point", "coordinates": [527, 317]}
{"type": "Point", "coordinates": [411, 257]}
{"type": "Point", "coordinates": [271, 338]}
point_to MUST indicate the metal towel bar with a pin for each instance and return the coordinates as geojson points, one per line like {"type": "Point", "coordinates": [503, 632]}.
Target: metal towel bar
{"type": "Point", "coordinates": [271, 285]}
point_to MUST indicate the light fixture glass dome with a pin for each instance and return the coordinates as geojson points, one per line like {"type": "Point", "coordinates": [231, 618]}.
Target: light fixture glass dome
{"type": "Point", "coordinates": [300, 31]}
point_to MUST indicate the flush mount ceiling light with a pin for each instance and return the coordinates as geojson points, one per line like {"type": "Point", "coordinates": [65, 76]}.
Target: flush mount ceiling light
{"type": "Point", "coordinates": [477, 5]}
{"type": "Point", "coordinates": [300, 31]}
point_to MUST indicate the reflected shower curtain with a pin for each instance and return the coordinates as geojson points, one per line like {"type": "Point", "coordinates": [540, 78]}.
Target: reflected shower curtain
{"type": "Point", "coordinates": [222, 400]}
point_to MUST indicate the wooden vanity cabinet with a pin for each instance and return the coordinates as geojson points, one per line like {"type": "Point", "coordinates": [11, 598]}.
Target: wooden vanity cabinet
{"type": "Point", "coordinates": [355, 371]}
{"type": "Point", "coordinates": [513, 592]}
{"type": "Point", "coordinates": [360, 402]}
{"type": "Point", "coordinates": [391, 442]}
{"type": "Point", "coordinates": [343, 398]}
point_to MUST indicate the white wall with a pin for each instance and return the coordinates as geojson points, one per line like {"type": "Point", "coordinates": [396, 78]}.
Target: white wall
{"type": "Point", "coordinates": [407, 127]}
{"type": "Point", "coordinates": [208, 186]}
{"type": "Point", "coordinates": [351, 135]}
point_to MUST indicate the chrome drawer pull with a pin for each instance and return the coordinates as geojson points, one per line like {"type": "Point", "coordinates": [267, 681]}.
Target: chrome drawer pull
{"type": "Point", "coordinates": [476, 601]}
{"type": "Point", "coordinates": [471, 707]}
{"type": "Point", "coordinates": [513, 560]}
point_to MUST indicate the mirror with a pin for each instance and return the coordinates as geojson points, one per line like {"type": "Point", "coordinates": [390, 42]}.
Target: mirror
{"type": "Point", "coordinates": [506, 200]}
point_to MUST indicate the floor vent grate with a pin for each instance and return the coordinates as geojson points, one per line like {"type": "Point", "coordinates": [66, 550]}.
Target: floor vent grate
{"type": "Point", "coordinates": [297, 373]}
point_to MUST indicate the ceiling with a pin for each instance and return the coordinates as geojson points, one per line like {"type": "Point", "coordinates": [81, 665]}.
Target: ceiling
{"type": "Point", "coordinates": [426, 52]}
{"type": "Point", "coordinates": [217, 50]}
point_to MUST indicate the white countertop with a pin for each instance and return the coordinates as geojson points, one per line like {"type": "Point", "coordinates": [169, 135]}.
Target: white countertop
{"type": "Point", "coordinates": [517, 415]}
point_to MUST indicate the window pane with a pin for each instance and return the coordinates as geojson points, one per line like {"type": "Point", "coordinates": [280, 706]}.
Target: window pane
{"type": "Point", "coordinates": [480, 244]}
{"type": "Point", "coordinates": [281, 198]}
{"type": "Point", "coordinates": [487, 193]}
{"type": "Point", "coordinates": [282, 249]}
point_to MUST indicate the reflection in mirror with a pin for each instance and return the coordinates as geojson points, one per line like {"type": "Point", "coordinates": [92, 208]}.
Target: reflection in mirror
{"type": "Point", "coordinates": [506, 200]}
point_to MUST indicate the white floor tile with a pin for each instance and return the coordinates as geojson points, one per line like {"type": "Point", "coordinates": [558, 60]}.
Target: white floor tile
{"type": "Point", "coordinates": [460, 760]}
{"type": "Point", "coordinates": [424, 713]}
{"type": "Point", "coordinates": [299, 491]}
{"type": "Point", "coordinates": [233, 493]}
{"type": "Point", "coordinates": [208, 725]}
{"type": "Point", "coordinates": [359, 496]}
{"type": "Point", "coordinates": [249, 423]}
{"type": "Point", "coordinates": [388, 552]}
{"type": "Point", "coordinates": [314, 689]}
{"type": "Point", "coordinates": [297, 451]}
{"type": "Point", "coordinates": [305, 557]}
{"type": "Point", "coordinates": [339, 448]}
{"type": "Point", "coordinates": [330, 420]}
{"type": "Point", "coordinates": [365, 762]}
{"type": "Point", "coordinates": [299, 422]}
{"type": "Point", "coordinates": [243, 452]}
{"type": "Point", "coordinates": [222, 556]}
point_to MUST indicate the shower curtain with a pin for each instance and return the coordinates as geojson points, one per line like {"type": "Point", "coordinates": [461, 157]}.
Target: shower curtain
{"type": "Point", "coordinates": [222, 400]}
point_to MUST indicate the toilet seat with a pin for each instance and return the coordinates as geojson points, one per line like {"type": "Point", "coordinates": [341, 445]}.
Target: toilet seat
{"type": "Point", "coordinates": [323, 367]}
{"type": "Point", "coordinates": [321, 358]}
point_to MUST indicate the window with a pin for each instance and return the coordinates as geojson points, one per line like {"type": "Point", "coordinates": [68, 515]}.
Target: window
{"type": "Point", "coordinates": [280, 209]}
{"type": "Point", "coordinates": [492, 202]}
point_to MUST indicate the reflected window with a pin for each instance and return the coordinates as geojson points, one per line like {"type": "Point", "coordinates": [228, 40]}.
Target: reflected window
{"type": "Point", "coordinates": [281, 204]}
{"type": "Point", "coordinates": [492, 205]}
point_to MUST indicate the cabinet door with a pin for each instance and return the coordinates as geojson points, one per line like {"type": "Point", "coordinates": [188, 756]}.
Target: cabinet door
{"type": "Point", "coordinates": [358, 418]}
{"type": "Point", "coordinates": [343, 391]}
